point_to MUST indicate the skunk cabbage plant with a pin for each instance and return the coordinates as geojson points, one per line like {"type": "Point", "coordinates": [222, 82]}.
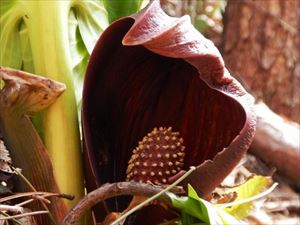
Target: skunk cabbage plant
{"type": "Point", "coordinates": [158, 99]}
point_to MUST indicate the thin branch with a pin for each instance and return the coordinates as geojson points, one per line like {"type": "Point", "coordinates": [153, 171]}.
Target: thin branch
{"type": "Point", "coordinates": [13, 219]}
{"type": "Point", "coordinates": [112, 190]}
{"type": "Point", "coordinates": [23, 215]}
{"type": "Point", "coordinates": [32, 194]}
{"type": "Point", "coordinates": [43, 198]}
{"type": "Point", "coordinates": [25, 202]}
{"type": "Point", "coordinates": [17, 172]}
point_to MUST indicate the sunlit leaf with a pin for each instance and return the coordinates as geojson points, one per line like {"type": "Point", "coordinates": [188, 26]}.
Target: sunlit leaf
{"type": "Point", "coordinates": [252, 187]}
{"type": "Point", "coordinates": [195, 210]}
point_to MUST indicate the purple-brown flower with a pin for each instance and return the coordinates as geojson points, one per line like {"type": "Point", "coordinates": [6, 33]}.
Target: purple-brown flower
{"type": "Point", "coordinates": [150, 70]}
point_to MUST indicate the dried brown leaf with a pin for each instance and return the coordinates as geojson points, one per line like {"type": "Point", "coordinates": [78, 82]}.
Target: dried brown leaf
{"type": "Point", "coordinates": [24, 94]}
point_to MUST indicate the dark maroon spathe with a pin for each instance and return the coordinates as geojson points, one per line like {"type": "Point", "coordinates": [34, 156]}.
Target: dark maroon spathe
{"type": "Point", "coordinates": [151, 70]}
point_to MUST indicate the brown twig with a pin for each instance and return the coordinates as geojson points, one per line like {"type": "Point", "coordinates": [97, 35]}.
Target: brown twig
{"type": "Point", "coordinates": [24, 215]}
{"type": "Point", "coordinates": [18, 208]}
{"type": "Point", "coordinates": [112, 190]}
{"type": "Point", "coordinates": [34, 195]}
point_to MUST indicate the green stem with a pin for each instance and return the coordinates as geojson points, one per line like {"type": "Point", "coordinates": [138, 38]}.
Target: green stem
{"type": "Point", "coordinates": [51, 57]}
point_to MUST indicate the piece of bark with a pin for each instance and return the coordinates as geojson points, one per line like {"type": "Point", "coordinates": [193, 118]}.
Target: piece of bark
{"type": "Point", "coordinates": [277, 142]}
{"type": "Point", "coordinates": [261, 45]}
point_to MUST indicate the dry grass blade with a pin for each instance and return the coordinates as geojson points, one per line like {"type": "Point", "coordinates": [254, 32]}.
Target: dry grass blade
{"type": "Point", "coordinates": [23, 215]}
{"type": "Point", "coordinates": [31, 194]}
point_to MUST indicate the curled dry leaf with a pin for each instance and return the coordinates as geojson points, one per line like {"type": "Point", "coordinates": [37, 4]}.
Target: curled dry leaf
{"type": "Point", "coordinates": [6, 172]}
{"type": "Point", "coordinates": [150, 70]}
{"type": "Point", "coordinates": [5, 159]}
{"type": "Point", "coordinates": [23, 94]}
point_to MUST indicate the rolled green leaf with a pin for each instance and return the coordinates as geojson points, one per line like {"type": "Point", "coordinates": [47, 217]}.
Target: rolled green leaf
{"type": "Point", "coordinates": [54, 39]}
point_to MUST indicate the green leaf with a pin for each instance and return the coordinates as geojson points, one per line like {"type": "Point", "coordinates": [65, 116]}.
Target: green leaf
{"type": "Point", "coordinates": [195, 210]}
{"type": "Point", "coordinates": [54, 39]}
{"type": "Point", "coordinates": [86, 21]}
{"type": "Point", "coordinates": [252, 187]}
{"type": "Point", "coordinates": [9, 34]}
{"type": "Point", "coordinates": [120, 8]}
{"type": "Point", "coordinates": [201, 24]}
{"type": "Point", "coordinates": [92, 19]}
